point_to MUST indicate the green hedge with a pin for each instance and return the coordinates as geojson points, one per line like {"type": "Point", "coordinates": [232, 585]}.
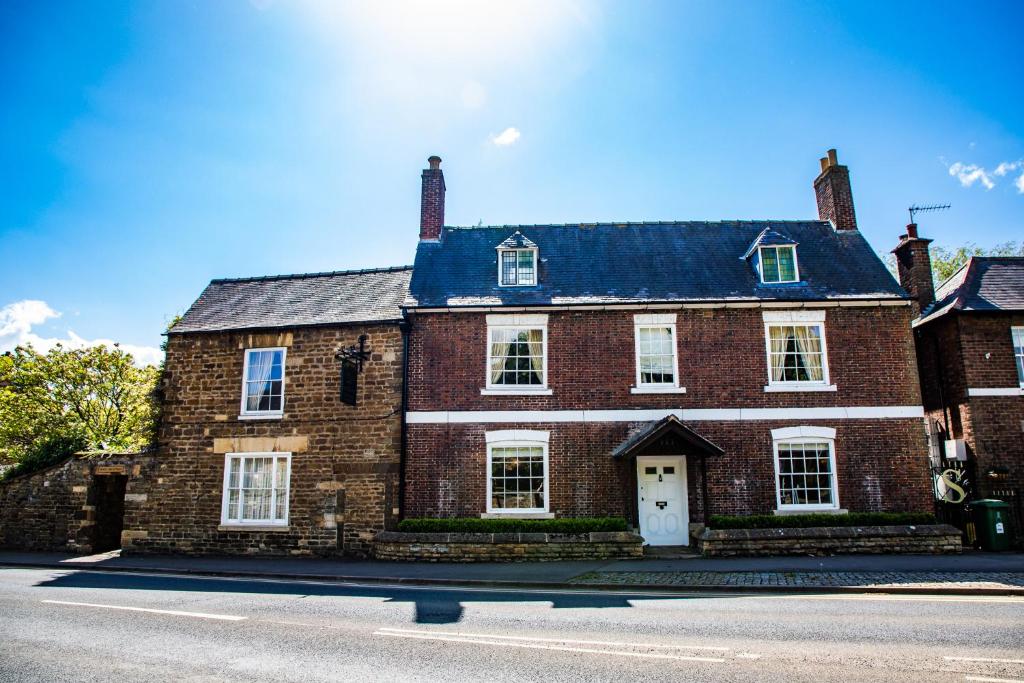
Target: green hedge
{"type": "Point", "coordinates": [566, 525]}
{"type": "Point", "coordinates": [46, 453]}
{"type": "Point", "coordinates": [815, 520]}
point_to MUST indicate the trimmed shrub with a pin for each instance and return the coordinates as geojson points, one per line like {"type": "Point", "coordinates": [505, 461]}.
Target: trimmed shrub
{"type": "Point", "coordinates": [818, 520]}
{"type": "Point", "coordinates": [474, 525]}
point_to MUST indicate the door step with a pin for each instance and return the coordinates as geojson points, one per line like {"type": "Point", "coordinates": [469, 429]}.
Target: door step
{"type": "Point", "coordinates": [671, 552]}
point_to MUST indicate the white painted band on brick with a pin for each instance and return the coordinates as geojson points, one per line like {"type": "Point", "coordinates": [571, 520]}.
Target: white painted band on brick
{"type": "Point", "coordinates": [518, 435]}
{"type": "Point", "coordinates": [687, 415]}
{"type": "Point", "coordinates": [986, 391]}
{"type": "Point", "coordinates": [806, 430]}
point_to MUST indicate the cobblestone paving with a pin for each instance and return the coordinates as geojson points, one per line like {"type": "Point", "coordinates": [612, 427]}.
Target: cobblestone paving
{"type": "Point", "coordinates": [812, 579]}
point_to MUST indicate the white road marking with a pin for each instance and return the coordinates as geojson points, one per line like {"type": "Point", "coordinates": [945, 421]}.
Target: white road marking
{"type": "Point", "coordinates": [993, 680]}
{"type": "Point", "coordinates": [176, 613]}
{"type": "Point", "coordinates": [538, 646]}
{"type": "Point", "coordinates": [984, 659]}
{"type": "Point", "coordinates": [613, 643]}
{"type": "Point", "coordinates": [747, 655]}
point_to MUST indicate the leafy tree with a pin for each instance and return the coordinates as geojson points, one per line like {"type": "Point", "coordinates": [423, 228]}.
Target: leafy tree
{"type": "Point", "coordinates": [947, 261]}
{"type": "Point", "coordinates": [73, 398]}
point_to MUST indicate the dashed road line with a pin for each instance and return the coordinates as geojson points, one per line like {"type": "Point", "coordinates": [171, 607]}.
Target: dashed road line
{"type": "Point", "coordinates": [984, 659]}
{"type": "Point", "coordinates": [463, 634]}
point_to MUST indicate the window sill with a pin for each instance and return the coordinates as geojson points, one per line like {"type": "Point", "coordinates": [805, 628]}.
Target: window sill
{"type": "Point", "coordinates": [253, 527]}
{"type": "Point", "coordinates": [517, 515]}
{"type": "Point", "coordinates": [810, 510]}
{"type": "Point", "coordinates": [657, 390]}
{"type": "Point", "coordinates": [268, 416]}
{"type": "Point", "coordinates": [781, 388]}
{"type": "Point", "coordinates": [516, 392]}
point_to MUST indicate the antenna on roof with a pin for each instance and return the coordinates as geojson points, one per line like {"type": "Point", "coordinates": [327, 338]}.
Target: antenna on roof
{"type": "Point", "coordinates": [914, 208]}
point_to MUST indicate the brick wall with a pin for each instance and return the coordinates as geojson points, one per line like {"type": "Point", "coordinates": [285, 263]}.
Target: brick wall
{"type": "Point", "coordinates": [722, 362]}
{"type": "Point", "coordinates": [345, 460]}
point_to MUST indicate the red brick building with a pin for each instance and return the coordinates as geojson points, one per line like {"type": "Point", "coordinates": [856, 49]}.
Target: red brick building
{"type": "Point", "coordinates": [660, 371]}
{"type": "Point", "coordinates": [970, 348]}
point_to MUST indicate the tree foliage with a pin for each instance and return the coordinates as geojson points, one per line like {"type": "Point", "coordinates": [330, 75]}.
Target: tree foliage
{"type": "Point", "coordinates": [946, 261]}
{"type": "Point", "coordinates": [95, 398]}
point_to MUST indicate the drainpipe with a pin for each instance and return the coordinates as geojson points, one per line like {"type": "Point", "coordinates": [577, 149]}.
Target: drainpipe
{"type": "Point", "coordinates": [405, 326]}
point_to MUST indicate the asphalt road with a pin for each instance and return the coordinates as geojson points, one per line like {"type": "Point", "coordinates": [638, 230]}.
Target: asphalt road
{"type": "Point", "coordinates": [87, 626]}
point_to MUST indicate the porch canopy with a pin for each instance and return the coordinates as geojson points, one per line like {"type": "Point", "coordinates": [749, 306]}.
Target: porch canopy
{"type": "Point", "coordinates": [667, 436]}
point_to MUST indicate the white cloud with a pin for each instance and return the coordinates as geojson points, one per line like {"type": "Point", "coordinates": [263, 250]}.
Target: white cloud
{"type": "Point", "coordinates": [968, 174]}
{"type": "Point", "coordinates": [1006, 167]}
{"type": "Point", "coordinates": [18, 319]}
{"type": "Point", "coordinates": [506, 137]}
{"type": "Point", "coordinates": [1019, 183]}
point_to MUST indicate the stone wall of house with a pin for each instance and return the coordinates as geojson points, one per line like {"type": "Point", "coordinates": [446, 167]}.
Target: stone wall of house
{"type": "Point", "coordinates": [507, 547]}
{"type": "Point", "coordinates": [881, 462]}
{"type": "Point", "coordinates": [923, 539]}
{"type": "Point", "coordinates": [344, 459]}
{"type": "Point", "coordinates": [57, 509]}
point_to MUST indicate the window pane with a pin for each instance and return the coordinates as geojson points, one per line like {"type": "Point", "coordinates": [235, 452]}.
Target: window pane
{"type": "Point", "coordinates": [526, 269]}
{"type": "Point", "coordinates": [656, 355]}
{"type": "Point", "coordinates": [517, 356]}
{"type": "Point", "coordinates": [1018, 351]}
{"type": "Point", "coordinates": [795, 353]}
{"type": "Point", "coordinates": [517, 478]}
{"type": "Point", "coordinates": [805, 474]}
{"type": "Point", "coordinates": [264, 385]}
{"type": "Point", "coordinates": [787, 264]}
{"type": "Point", "coordinates": [769, 264]}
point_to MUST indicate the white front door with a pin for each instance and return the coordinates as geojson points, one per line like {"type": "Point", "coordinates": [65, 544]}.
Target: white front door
{"type": "Point", "coordinates": [661, 498]}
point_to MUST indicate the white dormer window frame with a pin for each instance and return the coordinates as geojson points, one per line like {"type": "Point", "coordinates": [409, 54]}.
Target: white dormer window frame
{"type": "Point", "coordinates": [777, 247]}
{"type": "Point", "coordinates": [521, 277]}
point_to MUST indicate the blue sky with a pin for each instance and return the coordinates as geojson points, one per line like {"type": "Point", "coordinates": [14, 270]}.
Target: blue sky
{"type": "Point", "coordinates": [149, 147]}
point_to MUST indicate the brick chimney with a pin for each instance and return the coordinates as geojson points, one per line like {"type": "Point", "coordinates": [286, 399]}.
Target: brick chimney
{"type": "Point", "coordinates": [914, 267]}
{"type": "Point", "coordinates": [432, 201]}
{"type": "Point", "coordinates": [832, 190]}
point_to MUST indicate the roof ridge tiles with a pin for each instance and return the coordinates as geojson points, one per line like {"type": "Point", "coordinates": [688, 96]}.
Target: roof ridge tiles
{"type": "Point", "coordinates": [303, 276]}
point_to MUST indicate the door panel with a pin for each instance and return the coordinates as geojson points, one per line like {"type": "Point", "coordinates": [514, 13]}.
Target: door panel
{"type": "Point", "coordinates": [661, 491]}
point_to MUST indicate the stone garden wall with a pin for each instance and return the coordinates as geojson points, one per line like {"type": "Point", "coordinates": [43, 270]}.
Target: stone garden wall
{"type": "Point", "coordinates": [506, 547]}
{"type": "Point", "coordinates": [924, 539]}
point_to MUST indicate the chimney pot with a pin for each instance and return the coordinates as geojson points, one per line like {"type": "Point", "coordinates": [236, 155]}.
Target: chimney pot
{"type": "Point", "coordinates": [435, 162]}
{"type": "Point", "coordinates": [833, 158]}
{"type": "Point", "coordinates": [912, 230]}
{"type": "Point", "coordinates": [824, 164]}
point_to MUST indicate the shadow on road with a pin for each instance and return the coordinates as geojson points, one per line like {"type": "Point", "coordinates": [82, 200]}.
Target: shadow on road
{"type": "Point", "coordinates": [434, 605]}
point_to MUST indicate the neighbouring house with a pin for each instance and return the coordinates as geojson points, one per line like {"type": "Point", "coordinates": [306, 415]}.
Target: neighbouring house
{"type": "Point", "coordinates": [970, 348]}
{"type": "Point", "coordinates": [281, 429]}
{"type": "Point", "coordinates": [660, 372]}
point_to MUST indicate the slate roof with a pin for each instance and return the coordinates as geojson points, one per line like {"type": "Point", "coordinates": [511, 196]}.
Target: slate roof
{"type": "Point", "coordinates": [768, 238]}
{"type": "Point", "coordinates": [340, 297]}
{"type": "Point", "coordinates": [606, 263]}
{"type": "Point", "coordinates": [984, 283]}
{"type": "Point", "coordinates": [517, 240]}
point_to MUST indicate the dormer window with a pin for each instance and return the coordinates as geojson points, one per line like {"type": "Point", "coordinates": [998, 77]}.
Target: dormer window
{"type": "Point", "coordinates": [517, 261]}
{"type": "Point", "coordinates": [778, 264]}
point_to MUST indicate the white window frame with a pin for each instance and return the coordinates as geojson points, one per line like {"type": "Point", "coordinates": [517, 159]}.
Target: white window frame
{"type": "Point", "coordinates": [1017, 335]}
{"type": "Point", "coordinates": [536, 274]}
{"type": "Point", "coordinates": [656, 321]}
{"type": "Point", "coordinates": [225, 520]}
{"type": "Point", "coordinates": [245, 414]}
{"type": "Point", "coordinates": [517, 322]}
{"type": "Point", "coordinates": [802, 435]}
{"type": "Point", "coordinates": [519, 438]}
{"type": "Point", "coordinates": [760, 264]}
{"type": "Point", "coordinates": [796, 318]}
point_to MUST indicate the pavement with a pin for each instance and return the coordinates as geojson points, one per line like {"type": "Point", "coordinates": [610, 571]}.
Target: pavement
{"type": "Point", "coordinates": [971, 572]}
{"type": "Point", "coordinates": [77, 625]}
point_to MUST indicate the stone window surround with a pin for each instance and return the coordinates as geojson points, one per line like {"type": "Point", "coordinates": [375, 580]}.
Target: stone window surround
{"type": "Point", "coordinates": [516, 320]}
{"type": "Point", "coordinates": [640, 321]}
{"type": "Point", "coordinates": [244, 414]}
{"type": "Point", "coordinates": [815, 317]}
{"type": "Point", "coordinates": [256, 525]}
{"type": "Point", "coordinates": [505, 438]}
{"type": "Point", "coordinates": [806, 434]}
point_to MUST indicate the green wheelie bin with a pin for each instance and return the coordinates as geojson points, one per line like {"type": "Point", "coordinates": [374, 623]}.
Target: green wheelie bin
{"type": "Point", "coordinates": [991, 524]}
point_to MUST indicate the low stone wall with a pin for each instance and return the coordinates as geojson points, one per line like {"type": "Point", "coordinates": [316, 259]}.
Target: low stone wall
{"type": "Point", "coordinates": [923, 539]}
{"type": "Point", "coordinates": [57, 509]}
{"type": "Point", "coordinates": [454, 547]}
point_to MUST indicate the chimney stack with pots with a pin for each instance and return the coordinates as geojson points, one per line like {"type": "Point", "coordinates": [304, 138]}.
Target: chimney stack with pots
{"type": "Point", "coordinates": [914, 267]}
{"type": "Point", "coordinates": [832, 190]}
{"type": "Point", "coordinates": [432, 201]}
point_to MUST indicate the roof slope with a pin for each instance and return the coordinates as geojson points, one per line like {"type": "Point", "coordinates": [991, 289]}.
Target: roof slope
{"type": "Point", "coordinates": [984, 283]}
{"type": "Point", "coordinates": [646, 262]}
{"type": "Point", "coordinates": [298, 300]}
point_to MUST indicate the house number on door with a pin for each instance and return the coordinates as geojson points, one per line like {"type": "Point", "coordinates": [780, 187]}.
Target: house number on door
{"type": "Point", "coordinates": [662, 504]}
